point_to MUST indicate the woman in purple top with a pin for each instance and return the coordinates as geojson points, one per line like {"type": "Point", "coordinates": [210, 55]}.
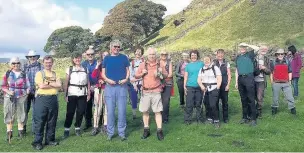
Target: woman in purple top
{"type": "Point", "coordinates": [296, 65]}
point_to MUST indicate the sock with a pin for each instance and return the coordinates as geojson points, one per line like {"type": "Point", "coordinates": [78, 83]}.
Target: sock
{"type": "Point", "coordinates": [159, 129]}
{"type": "Point", "coordinates": [77, 128]}
{"type": "Point", "coordinates": [20, 129]}
{"type": "Point", "coordinates": [9, 130]}
{"type": "Point", "coordinates": [66, 129]}
{"type": "Point", "coordinates": [146, 128]}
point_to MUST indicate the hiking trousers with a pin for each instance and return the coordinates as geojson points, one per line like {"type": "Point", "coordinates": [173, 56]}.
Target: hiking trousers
{"type": "Point", "coordinates": [89, 111]}
{"type": "Point", "coordinates": [30, 101]}
{"type": "Point", "coordinates": [223, 95]}
{"type": "Point", "coordinates": [286, 88]}
{"type": "Point", "coordinates": [181, 91]}
{"type": "Point", "coordinates": [193, 100]}
{"type": "Point", "coordinates": [76, 104]}
{"type": "Point", "coordinates": [165, 95]}
{"type": "Point", "coordinates": [134, 95]}
{"type": "Point", "coordinates": [45, 114]}
{"type": "Point", "coordinates": [246, 87]}
{"type": "Point", "coordinates": [211, 104]}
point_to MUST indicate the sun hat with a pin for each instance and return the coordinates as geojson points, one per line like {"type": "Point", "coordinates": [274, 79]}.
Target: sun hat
{"type": "Point", "coordinates": [280, 51]}
{"type": "Point", "coordinates": [90, 50]}
{"type": "Point", "coordinates": [32, 53]}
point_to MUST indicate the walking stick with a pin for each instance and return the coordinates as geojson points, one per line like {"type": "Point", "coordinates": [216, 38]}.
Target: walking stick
{"type": "Point", "coordinates": [11, 122]}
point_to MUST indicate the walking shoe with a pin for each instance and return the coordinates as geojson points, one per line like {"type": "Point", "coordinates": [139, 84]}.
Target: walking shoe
{"type": "Point", "coordinates": [209, 121]}
{"type": "Point", "coordinates": [160, 135]}
{"type": "Point", "coordinates": [20, 133]}
{"type": "Point", "coordinates": [66, 134]}
{"type": "Point", "coordinates": [244, 121]}
{"type": "Point", "coordinates": [274, 110]}
{"type": "Point", "coordinates": [253, 123]}
{"type": "Point", "coordinates": [226, 120]}
{"type": "Point", "coordinates": [216, 125]}
{"type": "Point", "coordinates": [293, 111]}
{"type": "Point", "coordinates": [52, 143]}
{"type": "Point", "coordinates": [37, 146]}
{"type": "Point", "coordinates": [24, 129]}
{"type": "Point", "coordinates": [123, 138]}
{"type": "Point", "coordinates": [146, 134]}
{"type": "Point", "coordinates": [94, 131]}
{"type": "Point", "coordinates": [78, 132]}
{"type": "Point", "coordinates": [9, 135]}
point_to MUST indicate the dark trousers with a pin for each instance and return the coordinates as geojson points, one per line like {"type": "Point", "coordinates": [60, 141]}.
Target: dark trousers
{"type": "Point", "coordinates": [89, 112]}
{"type": "Point", "coordinates": [246, 87]}
{"type": "Point", "coordinates": [134, 95]}
{"type": "Point", "coordinates": [181, 91]}
{"type": "Point", "coordinates": [30, 100]}
{"type": "Point", "coordinates": [76, 104]}
{"type": "Point", "coordinates": [259, 89]}
{"type": "Point", "coordinates": [165, 95]}
{"type": "Point", "coordinates": [211, 104]}
{"type": "Point", "coordinates": [223, 95]}
{"type": "Point", "coordinates": [45, 113]}
{"type": "Point", "coordinates": [193, 100]}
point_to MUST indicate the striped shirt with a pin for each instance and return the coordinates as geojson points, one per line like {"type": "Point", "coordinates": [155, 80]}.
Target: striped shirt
{"type": "Point", "coordinates": [18, 84]}
{"type": "Point", "coordinates": [31, 70]}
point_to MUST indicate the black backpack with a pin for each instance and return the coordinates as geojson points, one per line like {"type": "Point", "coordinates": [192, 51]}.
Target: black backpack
{"type": "Point", "coordinates": [213, 69]}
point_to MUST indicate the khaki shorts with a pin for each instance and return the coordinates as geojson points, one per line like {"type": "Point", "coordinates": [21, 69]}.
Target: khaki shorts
{"type": "Point", "coordinates": [151, 100]}
{"type": "Point", "coordinates": [14, 109]}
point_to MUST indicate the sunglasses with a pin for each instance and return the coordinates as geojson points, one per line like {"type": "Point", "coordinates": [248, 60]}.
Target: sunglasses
{"type": "Point", "coordinates": [116, 46]}
{"type": "Point", "coordinates": [15, 63]}
{"type": "Point", "coordinates": [90, 54]}
{"type": "Point", "coordinates": [281, 54]}
{"type": "Point", "coordinates": [31, 56]}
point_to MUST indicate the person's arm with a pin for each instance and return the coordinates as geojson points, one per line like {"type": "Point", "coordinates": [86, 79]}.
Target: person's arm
{"type": "Point", "coordinates": [28, 85]}
{"type": "Point", "coordinates": [236, 78]}
{"type": "Point", "coordinates": [4, 85]}
{"type": "Point", "coordinates": [40, 83]}
{"type": "Point", "coordinates": [266, 69]}
{"type": "Point", "coordinates": [289, 71]}
{"type": "Point", "coordinates": [66, 84]}
{"type": "Point", "coordinates": [89, 91]}
{"type": "Point", "coordinates": [255, 48]}
{"type": "Point", "coordinates": [271, 66]}
{"type": "Point", "coordinates": [139, 74]}
{"type": "Point", "coordinates": [218, 77]}
{"type": "Point", "coordinates": [229, 76]}
{"type": "Point", "coordinates": [200, 81]}
{"type": "Point", "coordinates": [56, 84]}
{"type": "Point", "coordinates": [299, 63]}
{"type": "Point", "coordinates": [170, 74]}
{"type": "Point", "coordinates": [164, 72]}
{"type": "Point", "coordinates": [177, 70]}
{"type": "Point", "coordinates": [185, 82]}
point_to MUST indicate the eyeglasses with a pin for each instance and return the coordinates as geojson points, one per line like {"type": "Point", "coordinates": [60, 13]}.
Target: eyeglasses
{"type": "Point", "coordinates": [31, 56]}
{"type": "Point", "coordinates": [15, 63]}
{"type": "Point", "coordinates": [90, 54]}
{"type": "Point", "coordinates": [281, 54]}
{"type": "Point", "coordinates": [116, 47]}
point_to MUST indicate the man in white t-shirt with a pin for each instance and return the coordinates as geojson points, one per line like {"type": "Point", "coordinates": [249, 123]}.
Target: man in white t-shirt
{"type": "Point", "coordinates": [209, 80]}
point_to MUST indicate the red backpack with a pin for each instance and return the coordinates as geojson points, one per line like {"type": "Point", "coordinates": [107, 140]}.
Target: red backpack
{"type": "Point", "coordinates": [280, 72]}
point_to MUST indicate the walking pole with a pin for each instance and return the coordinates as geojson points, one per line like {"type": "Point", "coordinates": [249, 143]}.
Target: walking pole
{"type": "Point", "coordinates": [11, 122]}
{"type": "Point", "coordinates": [102, 107]}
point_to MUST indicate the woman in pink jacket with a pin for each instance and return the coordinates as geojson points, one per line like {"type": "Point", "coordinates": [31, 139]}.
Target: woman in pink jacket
{"type": "Point", "coordinates": [296, 65]}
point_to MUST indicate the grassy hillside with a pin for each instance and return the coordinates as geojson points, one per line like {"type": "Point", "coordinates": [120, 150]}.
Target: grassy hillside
{"type": "Point", "coordinates": [268, 21]}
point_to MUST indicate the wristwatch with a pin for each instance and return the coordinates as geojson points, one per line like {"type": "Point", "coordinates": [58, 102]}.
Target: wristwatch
{"type": "Point", "coordinates": [48, 83]}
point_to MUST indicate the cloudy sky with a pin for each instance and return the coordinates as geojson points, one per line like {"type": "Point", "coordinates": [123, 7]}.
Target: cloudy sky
{"type": "Point", "coordinates": [26, 24]}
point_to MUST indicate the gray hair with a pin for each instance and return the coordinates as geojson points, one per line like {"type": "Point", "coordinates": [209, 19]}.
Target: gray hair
{"type": "Point", "coordinates": [115, 42]}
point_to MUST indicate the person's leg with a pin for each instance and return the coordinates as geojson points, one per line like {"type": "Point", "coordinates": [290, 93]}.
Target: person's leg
{"type": "Point", "coordinates": [70, 111]}
{"type": "Point", "coordinates": [51, 119]}
{"type": "Point", "coordinates": [165, 96]}
{"type": "Point", "coordinates": [134, 100]}
{"type": "Point", "coordinates": [224, 97]}
{"type": "Point", "coordinates": [40, 118]}
{"type": "Point", "coordinates": [198, 104]}
{"type": "Point", "coordinates": [80, 110]}
{"type": "Point", "coordinates": [21, 113]}
{"type": "Point", "coordinates": [181, 91]}
{"type": "Point", "coordinates": [295, 83]}
{"type": "Point", "coordinates": [27, 106]}
{"type": "Point", "coordinates": [243, 95]}
{"type": "Point", "coordinates": [8, 116]}
{"type": "Point", "coordinates": [88, 112]}
{"type": "Point", "coordinates": [111, 104]}
{"type": "Point", "coordinates": [213, 96]}
{"type": "Point", "coordinates": [157, 108]}
{"type": "Point", "coordinates": [276, 87]}
{"type": "Point", "coordinates": [207, 106]}
{"type": "Point", "coordinates": [33, 121]}
{"type": "Point", "coordinates": [121, 92]}
{"type": "Point", "coordinates": [260, 88]}
{"type": "Point", "coordinates": [288, 95]}
{"type": "Point", "coordinates": [189, 105]}
{"type": "Point", "coordinates": [250, 92]}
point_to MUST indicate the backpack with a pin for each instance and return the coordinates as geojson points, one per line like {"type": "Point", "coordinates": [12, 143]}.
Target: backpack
{"type": "Point", "coordinates": [23, 76]}
{"type": "Point", "coordinates": [212, 67]}
{"type": "Point", "coordinates": [279, 76]}
{"type": "Point", "coordinates": [69, 79]}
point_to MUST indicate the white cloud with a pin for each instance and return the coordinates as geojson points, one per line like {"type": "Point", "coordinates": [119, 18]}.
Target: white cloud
{"type": "Point", "coordinates": [173, 6]}
{"type": "Point", "coordinates": [28, 23]}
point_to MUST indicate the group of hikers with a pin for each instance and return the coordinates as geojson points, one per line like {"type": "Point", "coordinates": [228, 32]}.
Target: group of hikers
{"type": "Point", "coordinates": [106, 83]}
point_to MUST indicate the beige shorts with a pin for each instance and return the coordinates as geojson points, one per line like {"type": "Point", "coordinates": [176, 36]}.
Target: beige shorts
{"type": "Point", "coordinates": [151, 100]}
{"type": "Point", "coordinates": [13, 110]}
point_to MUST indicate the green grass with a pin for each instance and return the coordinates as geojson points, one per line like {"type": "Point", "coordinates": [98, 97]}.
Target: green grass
{"type": "Point", "coordinates": [269, 21]}
{"type": "Point", "coordinates": [279, 133]}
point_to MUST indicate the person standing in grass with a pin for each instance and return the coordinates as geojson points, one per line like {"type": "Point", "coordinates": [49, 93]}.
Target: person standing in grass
{"type": "Point", "coordinates": [244, 78]}
{"type": "Point", "coordinates": [46, 105]}
{"type": "Point", "coordinates": [224, 66]}
{"type": "Point", "coordinates": [135, 84]}
{"type": "Point", "coordinates": [192, 89]}
{"type": "Point", "coordinates": [31, 68]}
{"type": "Point", "coordinates": [99, 112]}
{"type": "Point", "coordinates": [280, 78]}
{"type": "Point", "coordinates": [179, 73]}
{"type": "Point", "coordinates": [77, 92]}
{"type": "Point", "coordinates": [16, 87]}
{"type": "Point", "coordinates": [168, 85]}
{"type": "Point", "coordinates": [210, 79]}
{"type": "Point", "coordinates": [152, 72]}
{"type": "Point", "coordinates": [296, 65]}
{"type": "Point", "coordinates": [90, 64]}
{"type": "Point", "coordinates": [115, 72]}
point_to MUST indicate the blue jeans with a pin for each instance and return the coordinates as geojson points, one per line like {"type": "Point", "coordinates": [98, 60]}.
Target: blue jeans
{"type": "Point", "coordinates": [295, 82]}
{"type": "Point", "coordinates": [116, 95]}
{"type": "Point", "coordinates": [134, 96]}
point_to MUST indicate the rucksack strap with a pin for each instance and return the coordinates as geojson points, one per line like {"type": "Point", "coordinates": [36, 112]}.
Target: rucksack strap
{"type": "Point", "coordinates": [213, 70]}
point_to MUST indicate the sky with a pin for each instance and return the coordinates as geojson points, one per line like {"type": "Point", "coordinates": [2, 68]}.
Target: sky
{"type": "Point", "coordinates": [27, 24]}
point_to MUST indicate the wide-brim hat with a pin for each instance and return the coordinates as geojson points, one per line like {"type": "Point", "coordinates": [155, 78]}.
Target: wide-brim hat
{"type": "Point", "coordinates": [280, 51]}
{"type": "Point", "coordinates": [32, 53]}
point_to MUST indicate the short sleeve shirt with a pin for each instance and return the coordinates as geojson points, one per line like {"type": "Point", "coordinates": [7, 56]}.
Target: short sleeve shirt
{"type": "Point", "coordinates": [208, 76]}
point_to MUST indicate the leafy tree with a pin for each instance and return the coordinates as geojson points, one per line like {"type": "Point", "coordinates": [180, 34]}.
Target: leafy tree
{"type": "Point", "coordinates": [132, 20]}
{"type": "Point", "coordinates": [67, 40]}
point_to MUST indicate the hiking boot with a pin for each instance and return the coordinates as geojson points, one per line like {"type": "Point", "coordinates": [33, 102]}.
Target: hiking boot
{"type": "Point", "coordinates": [244, 121]}
{"type": "Point", "coordinates": [37, 146]}
{"type": "Point", "coordinates": [259, 114]}
{"type": "Point", "coordinates": [165, 121]}
{"type": "Point", "coordinates": [9, 135]}
{"type": "Point", "coordinates": [66, 134]}
{"type": "Point", "coordinates": [52, 143]}
{"type": "Point", "coordinates": [226, 120]}
{"type": "Point", "coordinates": [146, 134]}
{"type": "Point", "coordinates": [78, 132]}
{"type": "Point", "coordinates": [274, 110]}
{"type": "Point", "coordinates": [24, 129]}
{"type": "Point", "coordinates": [94, 131]}
{"type": "Point", "coordinates": [20, 134]}
{"type": "Point", "coordinates": [293, 111]}
{"type": "Point", "coordinates": [209, 121]}
{"type": "Point", "coordinates": [253, 123]}
{"type": "Point", "coordinates": [123, 138]}
{"type": "Point", "coordinates": [160, 135]}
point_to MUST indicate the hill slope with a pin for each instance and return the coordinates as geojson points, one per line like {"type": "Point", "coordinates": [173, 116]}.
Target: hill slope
{"type": "Point", "coordinates": [268, 21]}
